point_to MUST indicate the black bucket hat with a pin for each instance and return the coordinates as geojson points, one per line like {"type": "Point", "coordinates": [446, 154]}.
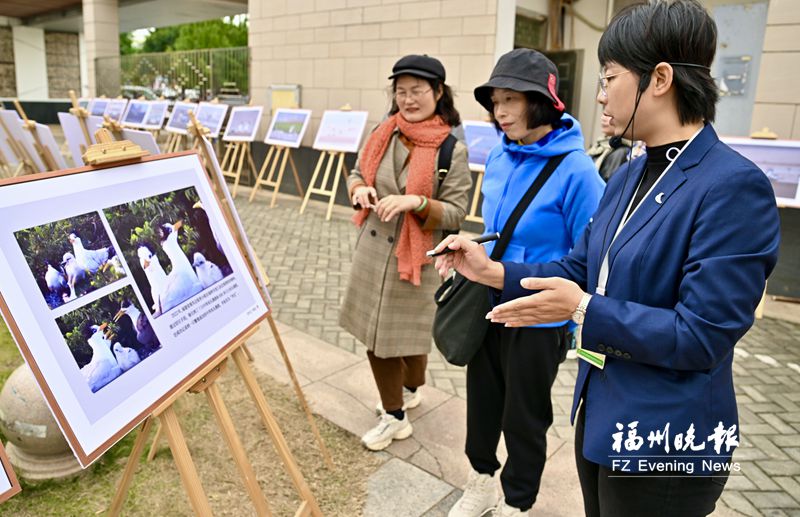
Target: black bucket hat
{"type": "Point", "coordinates": [522, 70]}
{"type": "Point", "coordinates": [419, 66]}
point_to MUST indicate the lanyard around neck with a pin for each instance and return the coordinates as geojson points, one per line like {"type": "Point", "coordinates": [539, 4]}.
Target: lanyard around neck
{"type": "Point", "coordinates": [602, 277]}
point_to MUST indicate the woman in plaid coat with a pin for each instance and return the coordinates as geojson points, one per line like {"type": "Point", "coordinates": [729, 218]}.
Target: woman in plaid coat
{"type": "Point", "coordinates": [403, 211]}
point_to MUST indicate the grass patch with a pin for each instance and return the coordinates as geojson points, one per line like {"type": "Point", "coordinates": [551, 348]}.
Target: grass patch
{"type": "Point", "coordinates": [157, 490]}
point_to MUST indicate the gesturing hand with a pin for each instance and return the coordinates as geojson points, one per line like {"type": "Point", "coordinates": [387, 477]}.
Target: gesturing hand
{"type": "Point", "coordinates": [365, 197]}
{"type": "Point", "coordinates": [556, 300]}
{"type": "Point", "coordinates": [389, 207]}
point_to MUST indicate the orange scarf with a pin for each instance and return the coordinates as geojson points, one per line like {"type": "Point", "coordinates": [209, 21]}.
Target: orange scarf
{"type": "Point", "coordinates": [426, 136]}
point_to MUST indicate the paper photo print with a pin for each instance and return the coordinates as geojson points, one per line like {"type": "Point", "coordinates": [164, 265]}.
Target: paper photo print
{"type": "Point", "coordinates": [243, 124]}
{"type": "Point", "coordinates": [341, 131]}
{"type": "Point", "coordinates": [115, 109]}
{"type": "Point", "coordinates": [136, 113]}
{"type": "Point", "coordinates": [179, 120]}
{"type": "Point", "coordinates": [108, 337]}
{"type": "Point", "coordinates": [212, 115]}
{"type": "Point", "coordinates": [288, 127]}
{"type": "Point", "coordinates": [170, 246]}
{"type": "Point", "coordinates": [70, 258]}
{"type": "Point", "coordinates": [155, 117]}
{"type": "Point", "coordinates": [481, 138]}
{"type": "Point", "coordinates": [97, 107]}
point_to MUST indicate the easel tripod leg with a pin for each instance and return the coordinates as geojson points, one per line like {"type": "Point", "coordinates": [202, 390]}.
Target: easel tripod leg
{"type": "Point", "coordinates": [130, 468]}
{"type": "Point", "coordinates": [183, 460]}
{"type": "Point", "coordinates": [275, 432]}
{"type": "Point", "coordinates": [237, 450]}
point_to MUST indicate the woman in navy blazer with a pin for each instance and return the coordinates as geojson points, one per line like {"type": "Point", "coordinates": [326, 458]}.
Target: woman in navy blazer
{"type": "Point", "coordinates": [665, 279]}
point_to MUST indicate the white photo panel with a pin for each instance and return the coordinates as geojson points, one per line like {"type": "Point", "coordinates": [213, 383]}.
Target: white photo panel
{"type": "Point", "coordinates": [23, 137]}
{"type": "Point", "coordinates": [212, 115]}
{"type": "Point", "coordinates": [779, 160]}
{"type": "Point", "coordinates": [115, 109]}
{"type": "Point", "coordinates": [9, 485]}
{"type": "Point", "coordinates": [179, 118]}
{"type": "Point", "coordinates": [341, 131]}
{"type": "Point", "coordinates": [119, 285]}
{"type": "Point", "coordinates": [156, 115]}
{"type": "Point", "coordinates": [288, 127]}
{"type": "Point", "coordinates": [243, 124]}
{"type": "Point", "coordinates": [73, 134]}
{"type": "Point", "coordinates": [136, 113]}
{"type": "Point", "coordinates": [481, 138]}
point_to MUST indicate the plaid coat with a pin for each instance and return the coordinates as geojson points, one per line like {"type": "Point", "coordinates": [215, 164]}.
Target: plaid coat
{"type": "Point", "coordinates": [392, 317]}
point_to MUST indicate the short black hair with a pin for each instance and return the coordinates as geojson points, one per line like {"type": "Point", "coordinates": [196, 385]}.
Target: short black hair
{"type": "Point", "coordinates": [678, 32]}
{"type": "Point", "coordinates": [541, 112]}
{"type": "Point", "coordinates": [445, 106]}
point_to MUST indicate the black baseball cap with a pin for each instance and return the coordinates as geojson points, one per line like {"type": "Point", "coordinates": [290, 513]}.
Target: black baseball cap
{"type": "Point", "coordinates": [522, 70]}
{"type": "Point", "coordinates": [419, 66]}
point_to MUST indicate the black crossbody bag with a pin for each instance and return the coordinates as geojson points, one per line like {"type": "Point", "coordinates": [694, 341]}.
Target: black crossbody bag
{"type": "Point", "coordinates": [460, 324]}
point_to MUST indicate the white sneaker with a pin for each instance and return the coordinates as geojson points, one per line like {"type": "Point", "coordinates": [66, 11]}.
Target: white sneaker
{"type": "Point", "coordinates": [389, 428]}
{"type": "Point", "coordinates": [504, 510]}
{"type": "Point", "coordinates": [411, 399]}
{"type": "Point", "coordinates": [479, 497]}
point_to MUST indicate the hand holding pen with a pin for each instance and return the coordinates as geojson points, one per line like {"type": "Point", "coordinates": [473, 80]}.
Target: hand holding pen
{"type": "Point", "coordinates": [489, 237]}
{"type": "Point", "coordinates": [469, 258]}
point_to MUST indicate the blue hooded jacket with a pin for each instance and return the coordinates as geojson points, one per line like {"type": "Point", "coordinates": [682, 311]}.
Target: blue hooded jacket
{"type": "Point", "coordinates": [557, 216]}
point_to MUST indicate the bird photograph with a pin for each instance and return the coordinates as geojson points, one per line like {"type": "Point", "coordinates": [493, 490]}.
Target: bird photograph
{"type": "Point", "coordinates": [70, 258]}
{"type": "Point", "coordinates": [170, 246]}
{"type": "Point", "coordinates": [108, 337]}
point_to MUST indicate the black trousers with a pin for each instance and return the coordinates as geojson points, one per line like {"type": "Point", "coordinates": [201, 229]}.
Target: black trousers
{"type": "Point", "coordinates": [607, 493]}
{"type": "Point", "coordinates": [508, 390]}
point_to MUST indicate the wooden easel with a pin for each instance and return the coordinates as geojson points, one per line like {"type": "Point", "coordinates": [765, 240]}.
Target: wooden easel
{"type": "Point", "coordinates": [41, 149]}
{"type": "Point", "coordinates": [82, 115]}
{"type": "Point", "coordinates": [175, 142]}
{"type": "Point", "coordinates": [323, 189]}
{"type": "Point", "coordinates": [108, 151]}
{"type": "Point", "coordinates": [476, 196]}
{"type": "Point", "coordinates": [258, 270]}
{"type": "Point", "coordinates": [276, 153]}
{"type": "Point", "coordinates": [24, 159]}
{"type": "Point", "coordinates": [233, 161]}
{"type": "Point", "coordinates": [113, 127]}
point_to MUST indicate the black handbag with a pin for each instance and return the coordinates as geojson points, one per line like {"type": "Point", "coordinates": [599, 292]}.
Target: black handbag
{"type": "Point", "coordinates": [460, 324]}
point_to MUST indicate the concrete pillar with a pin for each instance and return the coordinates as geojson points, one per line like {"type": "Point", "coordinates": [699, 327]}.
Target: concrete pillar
{"type": "Point", "coordinates": [101, 39]}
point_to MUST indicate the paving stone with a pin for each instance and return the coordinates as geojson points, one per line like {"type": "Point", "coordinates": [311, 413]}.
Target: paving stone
{"type": "Point", "coordinates": [420, 491]}
{"type": "Point", "coordinates": [780, 468]}
{"type": "Point", "coordinates": [763, 500]}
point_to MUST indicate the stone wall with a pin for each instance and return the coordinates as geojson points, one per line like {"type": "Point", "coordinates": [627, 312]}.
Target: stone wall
{"type": "Point", "coordinates": [63, 63]}
{"type": "Point", "coordinates": [777, 102]}
{"type": "Point", "coordinates": [341, 51]}
{"type": "Point", "coordinates": [8, 79]}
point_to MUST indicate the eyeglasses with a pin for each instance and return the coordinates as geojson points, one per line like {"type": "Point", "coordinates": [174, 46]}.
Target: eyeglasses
{"type": "Point", "coordinates": [414, 95]}
{"type": "Point", "coordinates": [603, 81]}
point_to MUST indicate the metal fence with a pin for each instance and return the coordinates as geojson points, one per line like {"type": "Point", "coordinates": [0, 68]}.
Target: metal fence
{"type": "Point", "coordinates": [193, 73]}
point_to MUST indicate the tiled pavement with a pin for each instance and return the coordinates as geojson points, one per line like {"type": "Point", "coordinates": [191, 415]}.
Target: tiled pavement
{"type": "Point", "coordinates": [308, 261]}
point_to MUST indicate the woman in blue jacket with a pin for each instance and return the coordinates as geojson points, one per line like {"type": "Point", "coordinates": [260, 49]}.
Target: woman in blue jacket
{"type": "Point", "coordinates": [664, 280]}
{"type": "Point", "coordinates": [509, 379]}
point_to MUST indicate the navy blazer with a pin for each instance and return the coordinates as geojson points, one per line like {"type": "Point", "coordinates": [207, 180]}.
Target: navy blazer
{"type": "Point", "coordinates": [685, 278]}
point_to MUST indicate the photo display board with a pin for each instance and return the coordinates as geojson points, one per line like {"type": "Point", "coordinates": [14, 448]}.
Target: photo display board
{"type": "Point", "coordinates": [288, 127]}
{"type": "Point", "coordinates": [341, 131]}
{"type": "Point", "coordinates": [97, 107]}
{"type": "Point", "coordinates": [179, 119]}
{"type": "Point", "coordinates": [119, 285]}
{"type": "Point", "coordinates": [780, 161]}
{"type": "Point", "coordinates": [212, 115]}
{"type": "Point", "coordinates": [116, 108]}
{"type": "Point", "coordinates": [136, 113]}
{"type": "Point", "coordinates": [481, 138]}
{"type": "Point", "coordinates": [243, 124]}
{"type": "Point", "coordinates": [73, 134]}
{"type": "Point", "coordinates": [22, 136]}
{"type": "Point", "coordinates": [47, 139]}
{"type": "Point", "coordinates": [9, 485]}
{"type": "Point", "coordinates": [156, 115]}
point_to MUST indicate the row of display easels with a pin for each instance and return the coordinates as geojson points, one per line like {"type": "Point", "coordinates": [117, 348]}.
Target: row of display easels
{"type": "Point", "coordinates": [108, 151]}
{"type": "Point", "coordinates": [24, 161]}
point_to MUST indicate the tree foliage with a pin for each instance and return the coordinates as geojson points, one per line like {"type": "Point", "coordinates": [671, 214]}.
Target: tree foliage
{"type": "Point", "coordinates": [220, 33]}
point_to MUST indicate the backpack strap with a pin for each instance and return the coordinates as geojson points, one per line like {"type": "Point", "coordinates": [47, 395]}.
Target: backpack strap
{"type": "Point", "coordinates": [445, 157]}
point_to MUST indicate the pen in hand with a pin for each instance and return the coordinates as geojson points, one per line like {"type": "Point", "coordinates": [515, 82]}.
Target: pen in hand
{"type": "Point", "coordinates": [480, 240]}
